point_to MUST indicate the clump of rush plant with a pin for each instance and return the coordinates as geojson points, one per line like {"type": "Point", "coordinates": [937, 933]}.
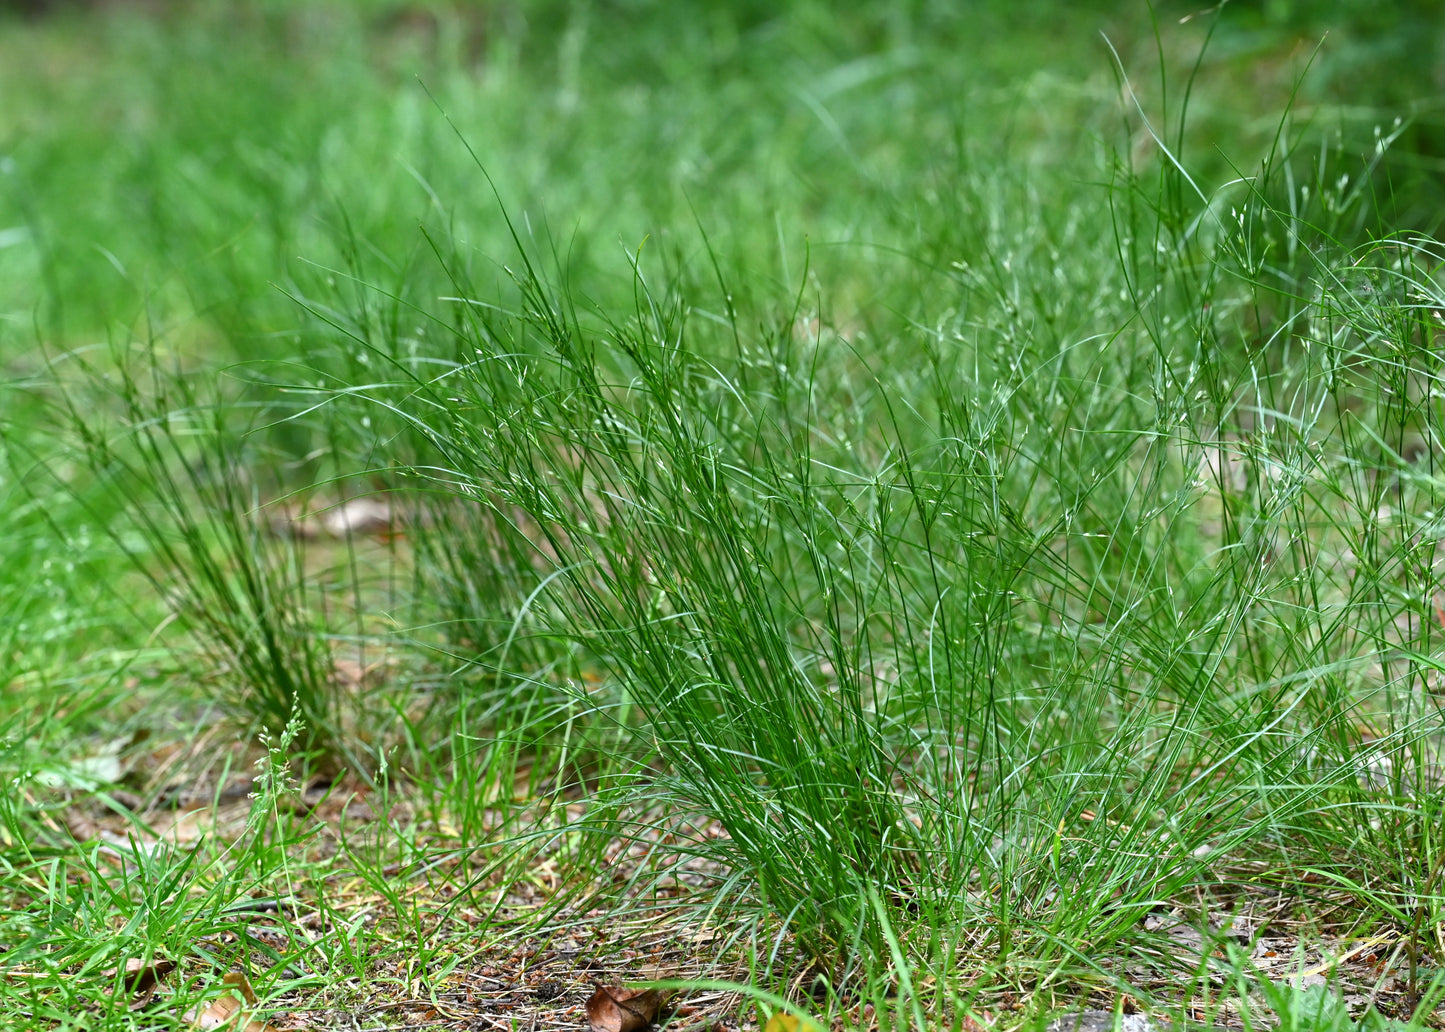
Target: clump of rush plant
{"type": "Point", "coordinates": [990, 646]}
{"type": "Point", "coordinates": [190, 480]}
{"type": "Point", "coordinates": [695, 574]}
{"type": "Point", "coordinates": [1043, 559]}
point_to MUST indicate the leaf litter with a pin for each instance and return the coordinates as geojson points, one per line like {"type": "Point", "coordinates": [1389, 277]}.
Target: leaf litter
{"type": "Point", "coordinates": [616, 1008]}
{"type": "Point", "coordinates": [228, 1011]}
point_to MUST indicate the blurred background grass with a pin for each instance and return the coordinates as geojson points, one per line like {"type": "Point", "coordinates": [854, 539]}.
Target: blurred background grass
{"type": "Point", "coordinates": [177, 161]}
{"type": "Point", "coordinates": [175, 170]}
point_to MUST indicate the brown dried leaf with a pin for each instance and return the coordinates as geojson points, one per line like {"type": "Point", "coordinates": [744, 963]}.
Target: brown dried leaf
{"type": "Point", "coordinates": [364, 515]}
{"type": "Point", "coordinates": [187, 825]}
{"type": "Point", "coordinates": [225, 1012]}
{"type": "Point", "coordinates": [616, 1009]}
{"type": "Point", "coordinates": [240, 983]}
{"type": "Point", "coordinates": [781, 1022]}
{"type": "Point", "coordinates": [80, 826]}
{"type": "Point", "coordinates": [141, 978]}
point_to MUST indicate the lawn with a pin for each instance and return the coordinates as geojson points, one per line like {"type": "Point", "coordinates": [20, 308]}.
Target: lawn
{"type": "Point", "coordinates": [912, 515]}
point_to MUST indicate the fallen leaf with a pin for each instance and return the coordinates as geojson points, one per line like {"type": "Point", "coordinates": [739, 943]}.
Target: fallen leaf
{"type": "Point", "coordinates": [615, 1009]}
{"type": "Point", "coordinates": [81, 827]}
{"type": "Point", "coordinates": [782, 1021]}
{"type": "Point", "coordinates": [241, 984]}
{"type": "Point", "coordinates": [187, 825]}
{"type": "Point", "coordinates": [104, 768]}
{"type": "Point", "coordinates": [366, 515]}
{"type": "Point", "coordinates": [226, 1010]}
{"type": "Point", "coordinates": [141, 978]}
{"type": "Point", "coordinates": [359, 516]}
{"type": "Point", "coordinates": [87, 773]}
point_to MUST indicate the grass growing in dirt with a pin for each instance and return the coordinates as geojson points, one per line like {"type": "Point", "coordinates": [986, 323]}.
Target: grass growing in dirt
{"type": "Point", "coordinates": [904, 518]}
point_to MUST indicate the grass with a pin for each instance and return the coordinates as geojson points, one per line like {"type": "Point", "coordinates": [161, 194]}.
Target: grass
{"type": "Point", "coordinates": [890, 539]}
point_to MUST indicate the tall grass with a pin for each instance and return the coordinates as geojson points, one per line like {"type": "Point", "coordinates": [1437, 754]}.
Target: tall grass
{"type": "Point", "coordinates": [1050, 539]}
{"type": "Point", "coordinates": [1022, 629]}
{"type": "Point", "coordinates": [1027, 616]}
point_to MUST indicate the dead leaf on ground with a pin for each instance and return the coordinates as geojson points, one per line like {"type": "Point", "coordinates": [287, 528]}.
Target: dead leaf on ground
{"type": "Point", "coordinates": [616, 1009]}
{"type": "Point", "coordinates": [225, 1012]}
{"type": "Point", "coordinates": [781, 1022]}
{"type": "Point", "coordinates": [141, 978]}
{"type": "Point", "coordinates": [366, 516]}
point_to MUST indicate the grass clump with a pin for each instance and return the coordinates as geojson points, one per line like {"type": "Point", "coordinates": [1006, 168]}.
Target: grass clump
{"type": "Point", "coordinates": [955, 561]}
